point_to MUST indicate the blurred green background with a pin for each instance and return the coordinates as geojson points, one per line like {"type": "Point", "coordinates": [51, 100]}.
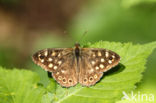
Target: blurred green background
{"type": "Point", "coordinates": [27, 26]}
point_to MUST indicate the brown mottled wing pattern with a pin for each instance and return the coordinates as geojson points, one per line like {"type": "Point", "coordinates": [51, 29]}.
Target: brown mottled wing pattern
{"type": "Point", "coordinates": [93, 62]}
{"type": "Point", "coordinates": [61, 62]}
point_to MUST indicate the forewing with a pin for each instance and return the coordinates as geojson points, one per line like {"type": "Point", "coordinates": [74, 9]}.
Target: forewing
{"type": "Point", "coordinates": [93, 62]}
{"type": "Point", "coordinates": [60, 62]}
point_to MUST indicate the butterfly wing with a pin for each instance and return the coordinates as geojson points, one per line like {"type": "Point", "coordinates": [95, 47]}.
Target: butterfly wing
{"type": "Point", "coordinates": [93, 62]}
{"type": "Point", "coordinates": [61, 62]}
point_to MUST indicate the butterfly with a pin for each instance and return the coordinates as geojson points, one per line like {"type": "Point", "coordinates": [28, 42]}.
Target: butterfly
{"type": "Point", "coordinates": [70, 66]}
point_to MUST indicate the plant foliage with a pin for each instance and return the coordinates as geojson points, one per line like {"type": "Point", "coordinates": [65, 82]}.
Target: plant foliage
{"type": "Point", "coordinates": [22, 86]}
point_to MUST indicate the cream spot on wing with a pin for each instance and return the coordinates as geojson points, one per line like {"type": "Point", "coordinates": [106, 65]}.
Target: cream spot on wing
{"type": "Point", "coordinates": [39, 55]}
{"type": "Point", "coordinates": [50, 65]}
{"type": "Point", "coordinates": [57, 73]}
{"type": "Point", "coordinates": [91, 79]}
{"type": "Point", "coordinates": [102, 59]}
{"type": "Point", "coordinates": [94, 55]}
{"type": "Point", "coordinates": [93, 62]}
{"type": "Point", "coordinates": [55, 60]}
{"type": "Point", "coordinates": [106, 70]}
{"type": "Point", "coordinates": [50, 59]}
{"type": "Point", "coordinates": [60, 62]}
{"type": "Point", "coordinates": [63, 71]}
{"type": "Point", "coordinates": [59, 78]}
{"type": "Point", "coordinates": [46, 53]}
{"type": "Point", "coordinates": [96, 67]}
{"type": "Point", "coordinates": [91, 70]}
{"type": "Point", "coordinates": [95, 76]}
{"type": "Point", "coordinates": [53, 53]}
{"type": "Point", "coordinates": [85, 80]}
{"type": "Point", "coordinates": [106, 54]}
{"type": "Point", "coordinates": [99, 53]}
{"type": "Point", "coordinates": [64, 80]}
{"type": "Point", "coordinates": [42, 60]}
{"type": "Point", "coordinates": [55, 67]}
{"type": "Point", "coordinates": [59, 54]}
{"type": "Point", "coordinates": [113, 56]}
{"type": "Point", "coordinates": [101, 66]}
{"type": "Point", "coordinates": [70, 80]}
{"type": "Point", "coordinates": [110, 62]}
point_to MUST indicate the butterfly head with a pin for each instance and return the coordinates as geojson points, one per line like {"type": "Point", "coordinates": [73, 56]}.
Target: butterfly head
{"type": "Point", "coordinates": [77, 45]}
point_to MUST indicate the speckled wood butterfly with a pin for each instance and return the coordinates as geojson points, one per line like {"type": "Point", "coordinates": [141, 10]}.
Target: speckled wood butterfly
{"type": "Point", "coordinates": [70, 66]}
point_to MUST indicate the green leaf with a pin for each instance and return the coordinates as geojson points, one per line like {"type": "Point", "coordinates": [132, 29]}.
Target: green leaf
{"type": "Point", "coordinates": [19, 86]}
{"type": "Point", "coordinates": [109, 89]}
{"type": "Point", "coordinates": [129, 3]}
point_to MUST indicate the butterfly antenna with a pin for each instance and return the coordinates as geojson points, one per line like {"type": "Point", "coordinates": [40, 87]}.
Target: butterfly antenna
{"type": "Point", "coordinates": [82, 36]}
